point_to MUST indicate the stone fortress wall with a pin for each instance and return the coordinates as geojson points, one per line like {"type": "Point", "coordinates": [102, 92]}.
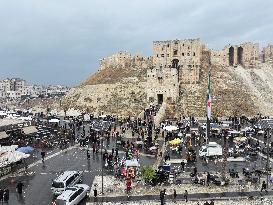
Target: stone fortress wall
{"type": "Point", "coordinates": [124, 59]}
{"type": "Point", "coordinates": [178, 63]}
{"type": "Point", "coordinates": [185, 55]}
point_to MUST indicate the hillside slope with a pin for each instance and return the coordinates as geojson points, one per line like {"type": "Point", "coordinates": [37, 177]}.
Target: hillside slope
{"type": "Point", "coordinates": [235, 91]}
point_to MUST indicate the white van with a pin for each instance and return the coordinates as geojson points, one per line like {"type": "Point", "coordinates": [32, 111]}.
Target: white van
{"type": "Point", "coordinates": [210, 150]}
{"type": "Point", "coordinates": [67, 179]}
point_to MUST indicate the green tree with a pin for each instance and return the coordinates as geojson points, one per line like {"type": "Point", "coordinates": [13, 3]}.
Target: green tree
{"type": "Point", "coordinates": [147, 173]}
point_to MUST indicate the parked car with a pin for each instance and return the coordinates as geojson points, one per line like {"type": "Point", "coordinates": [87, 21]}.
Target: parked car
{"type": "Point", "coordinates": [65, 180]}
{"type": "Point", "coordinates": [73, 195]}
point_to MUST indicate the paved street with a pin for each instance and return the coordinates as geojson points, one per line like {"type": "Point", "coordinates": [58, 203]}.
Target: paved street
{"type": "Point", "coordinates": [38, 178]}
{"type": "Point", "coordinates": [38, 183]}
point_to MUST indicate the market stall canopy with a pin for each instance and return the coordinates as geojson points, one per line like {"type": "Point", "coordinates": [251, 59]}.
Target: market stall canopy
{"type": "Point", "coordinates": [132, 163]}
{"type": "Point", "coordinates": [3, 135]}
{"type": "Point", "coordinates": [11, 157]}
{"type": "Point", "coordinates": [139, 142]}
{"type": "Point", "coordinates": [170, 128]}
{"type": "Point", "coordinates": [239, 139]}
{"type": "Point", "coordinates": [2, 113]}
{"type": "Point", "coordinates": [234, 132]}
{"type": "Point", "coordinates": [175, 141]}
{"type": "Point", "coordinates": [54, 120]}
{"type": "Point", "coordinates": [26, 150]}
{"type": "Point", "coordinates": [29, 130]}
{"type": "Point", "coordinates": [152, 148]}
{"type": "Point", "coordinates": [8, 148]}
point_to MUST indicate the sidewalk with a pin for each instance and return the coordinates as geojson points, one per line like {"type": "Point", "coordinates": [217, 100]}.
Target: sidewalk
{"type": "Point", "coordinates": [191, 197]}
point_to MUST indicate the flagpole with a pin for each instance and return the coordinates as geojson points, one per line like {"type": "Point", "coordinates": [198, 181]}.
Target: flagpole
{"type": "Point", "coordinates": [208, 130]}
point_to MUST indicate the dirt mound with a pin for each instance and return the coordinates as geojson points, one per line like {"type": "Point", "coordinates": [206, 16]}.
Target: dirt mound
{"type": "Point", "coordinates": [116, 75]}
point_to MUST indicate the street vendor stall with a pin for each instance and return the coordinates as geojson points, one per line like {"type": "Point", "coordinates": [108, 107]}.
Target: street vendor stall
{"type": "Point", "coordinates": [175, 145]}
{"type": "Point", "coordinates": [8, 157]}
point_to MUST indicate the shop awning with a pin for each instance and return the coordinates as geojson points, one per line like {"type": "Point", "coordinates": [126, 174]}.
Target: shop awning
{"type": "Point", "coordinates": [29, 130]}
{"type": "Point", "coordinates": [3, 135]}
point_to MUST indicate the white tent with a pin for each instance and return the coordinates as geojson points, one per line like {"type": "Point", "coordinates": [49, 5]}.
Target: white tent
{"type": "Point", "coordinates": [170, 128]}
{"type": "Point", "coordinates": [54, 121]}
{"type": "Point", "coordinates": [132, 163]}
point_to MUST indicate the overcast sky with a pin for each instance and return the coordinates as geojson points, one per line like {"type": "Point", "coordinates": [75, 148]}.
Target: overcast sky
{"type": "Point", "coordinates": [61, 41]}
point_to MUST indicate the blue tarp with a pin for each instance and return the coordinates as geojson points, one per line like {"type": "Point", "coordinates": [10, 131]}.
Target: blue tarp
{"type": "Point", "coordinates": [26, 150]}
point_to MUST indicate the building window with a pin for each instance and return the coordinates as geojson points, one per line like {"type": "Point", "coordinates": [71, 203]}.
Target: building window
{"type": "Point", "coordinates": [193, 53]}
{"type": "Point", "coordinates": [188, 54]}
{"type": "Point", "coordinates": [168, 45]}
{"type": "Point", "coordinates": [175, 52]}
{"type": "Point", "coordinates": [157, 55]}
{"type": "Point", "coordinates": [168, 55]}
{"type": "Point", "coordinates": [183, 54]}
{"type": "Point", "coordinates": [162, 55]}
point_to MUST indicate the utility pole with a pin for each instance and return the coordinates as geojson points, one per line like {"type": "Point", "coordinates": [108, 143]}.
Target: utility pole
{"type": "Point", "coordinates": [225, 155]}
{"type": "Point", "coordinates": [267, 157]}
{"type": "Point", "coordinates": [102, 165]}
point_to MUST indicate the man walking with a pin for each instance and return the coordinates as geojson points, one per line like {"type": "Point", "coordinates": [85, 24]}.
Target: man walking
{"type": "Point", "coordinates": [43, 156]}
{"type": "Point", "coordinates": [19, 187]}
{"type": "Point", "coordinates": [263, 187]}
{"type": "Point", "coordinates": [174, 195]}
{"type": "Point", "coordinates": [183, 166]}
{"type": "Point", "coordinates": [186, 195]}
{"type": "Point", "coordinates": [6, 196]}
{"type": "Point", "coordinates": [162, 195]}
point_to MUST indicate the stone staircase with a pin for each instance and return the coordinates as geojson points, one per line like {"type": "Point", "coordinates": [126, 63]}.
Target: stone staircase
{"type": "Point", "coordinates": [160, 114]}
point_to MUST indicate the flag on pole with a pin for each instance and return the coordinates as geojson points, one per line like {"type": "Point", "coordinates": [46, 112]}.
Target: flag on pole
{"type": "Point", "coordinates": [209, 99]}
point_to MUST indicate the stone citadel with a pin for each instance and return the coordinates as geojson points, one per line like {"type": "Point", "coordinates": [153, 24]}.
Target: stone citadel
{"type": "Point", "coordinates": [175, 74]}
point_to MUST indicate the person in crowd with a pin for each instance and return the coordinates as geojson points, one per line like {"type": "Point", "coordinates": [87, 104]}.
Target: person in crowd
{"type": "Point", "coordinates": [95, 192]}
{"type": "Point", "coordinates": [183, 165]}
{"type": "Point", "coordinates": [174, 195]}
{"type": "Point", "coordinates": [43, 155]}
{"type": "Point", "coordinates": [6, 196]}
{"type": "Point", "coordinates": [1, 194]}
{"type": "Point", "coordinates": [19, 187]}
{"type": "Point", "coordinates": [186, 195]}
{"type": "Point", "coordinates": [263, 187]}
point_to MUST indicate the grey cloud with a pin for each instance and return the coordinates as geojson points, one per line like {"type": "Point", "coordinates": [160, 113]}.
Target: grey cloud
{"type": "Point", "coordinates": [49, 41]}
